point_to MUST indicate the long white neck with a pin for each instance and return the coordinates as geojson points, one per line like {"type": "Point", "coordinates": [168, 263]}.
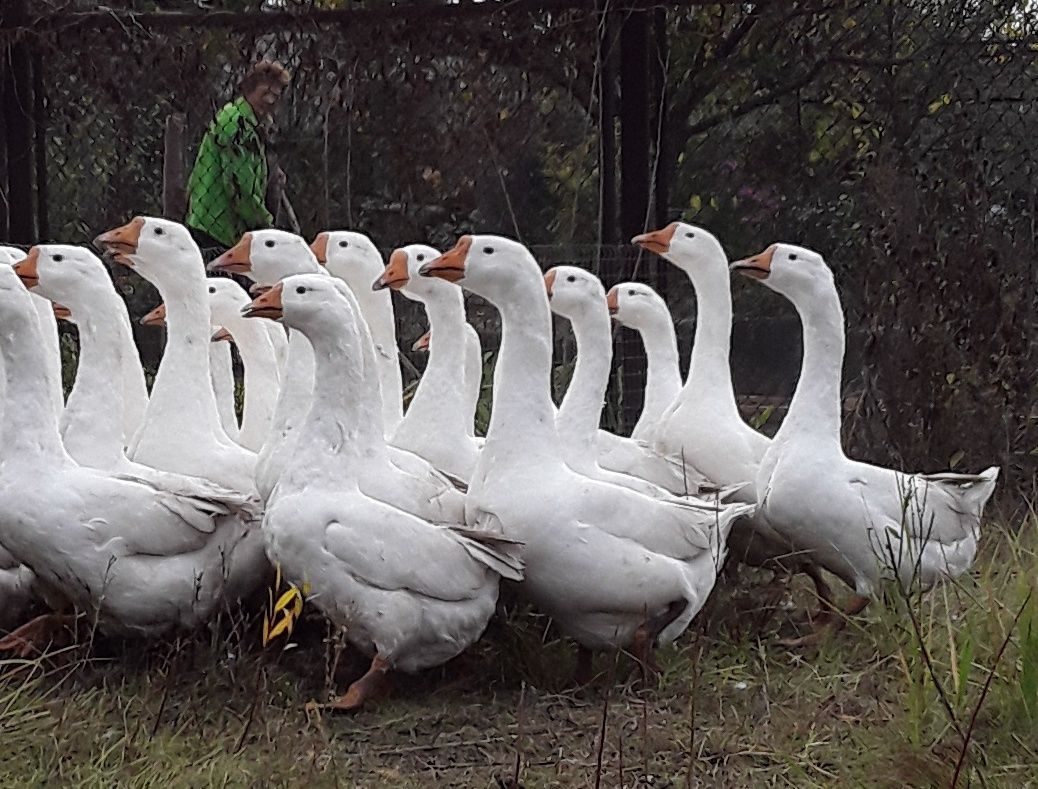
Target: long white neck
{"type": "Point", "coordinates": [92, 422]}
{"type": "Point", "coordinates": [522, 421]}
{"type": "Point", "coordinates": [135, 390]}
{"type": "Point", "coordinates": [221, 369]}
{"type": "Point", "coordinates": [377, 311]}
{"type": "Point", "coordinates": [182, 398]}
{"type": "Point", "coordinates": [439, 401]}
{"type": "Point", "coordinates": [52, 349]}
{"type": "Point", "coordinates": [261, 380]}
{"type": "Point", "coordinates": [581, 408]}
{"type": "Point", "coordinates": [339, 433]}
{"type": "Point", "coordinates": [473, 380]}
{"type": "Point", "coordinates": [30, 426]}
{"type": "Point", "coordinates": [663, 375]}
{"type": "Point", "coordinates": [815, 410]}
{"type": "Point", "coordinates": [709, 370]}
{"type": "Point", "coordinates": [296, 392]}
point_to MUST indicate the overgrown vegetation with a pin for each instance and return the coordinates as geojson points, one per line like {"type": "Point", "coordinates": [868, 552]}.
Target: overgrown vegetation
{"type": "Point", "coordinates": [937, 691]}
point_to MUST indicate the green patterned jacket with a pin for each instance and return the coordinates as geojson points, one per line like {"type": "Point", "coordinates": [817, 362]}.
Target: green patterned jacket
{"type": "Point", "coordinates": [228, 183]}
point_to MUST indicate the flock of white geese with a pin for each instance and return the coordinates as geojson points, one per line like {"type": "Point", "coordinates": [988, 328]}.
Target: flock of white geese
{"type": "Point", "coordinates": [145, 512]}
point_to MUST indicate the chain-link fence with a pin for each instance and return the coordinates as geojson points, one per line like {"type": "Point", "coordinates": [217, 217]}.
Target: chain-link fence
{"type": "Point", "coordinates": [894, 136]}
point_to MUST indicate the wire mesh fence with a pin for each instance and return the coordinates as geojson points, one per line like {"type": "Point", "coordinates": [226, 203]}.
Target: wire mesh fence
{"type": "Point", "coordinates": [895, 136]}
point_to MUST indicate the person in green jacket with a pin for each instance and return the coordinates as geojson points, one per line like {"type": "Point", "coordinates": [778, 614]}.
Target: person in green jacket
{"type": "Point", "coordinates": [228, 184]}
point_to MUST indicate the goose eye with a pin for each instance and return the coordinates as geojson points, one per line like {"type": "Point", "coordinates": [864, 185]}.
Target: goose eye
{"type": "Point", "coordinates": [690, 234]}
{"type": "Point", "coordinates": [159, 231]}
{"type": "Point", "coordinates": [792, 257]}
{"type": "Point", "coordinates": [421, 257]}
{"type": "Point", "coordinates": [269, 243]}
{"type": "Point", "coordinates": [343, 244]}
{"type": "Point", "coordinates": [631, 292]}
{"type": "Point", "coordinates": [571, 278]}
{"type": "Point", "coordinates": [58, 258]}
{"type": "Point", "coordinates": [212, 289]}
{"type": "Point", "coordinates": [488, 250]}
{"type": "Point", "coordinates": [300, 290]}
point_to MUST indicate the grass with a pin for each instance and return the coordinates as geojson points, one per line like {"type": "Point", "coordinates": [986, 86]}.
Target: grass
{"type": "Point", "coordinates": [890, 701]}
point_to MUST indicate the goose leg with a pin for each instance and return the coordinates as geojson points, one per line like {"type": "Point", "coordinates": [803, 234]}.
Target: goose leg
{"type": "Point", "coordinates": [826, 606]}
{"type": "Point", "coordinates": [644, 642]}
{"type": "Point", "coordinates": [832, 624]}
{"type": "Point", "coordinates": [373, 685]}
{"type": "Point", "coordinates": [36, 634]}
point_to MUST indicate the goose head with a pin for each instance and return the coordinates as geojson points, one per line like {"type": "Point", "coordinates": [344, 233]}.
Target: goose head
{"type": "Point", "coordinates": [574, 293]}
{"type": "Point", "coordinates": [791, 270]}
{"type": "Point", "coordinates": [155, 248]}
{"type": "Point", "coordinates": [307, 302]}
{"type": "Point", "coordinates": [401, 273]}
{"type": "Point", "coordinates": [494, 267]}
{"type": "Point", "coordinates": [64, 274]}
{"type": "Point", "coordinates": [795, 272]}
{"type": "Point", "coordinates": [688, 247]}
{"type": "Point", "coordinates": [350, 256]}
{"type": "Point", "coordinates": [636, 305]}
{"type": "Point", "coordinates": [267, 256]}
{"type": "Point", "coordinates": [226, 299]}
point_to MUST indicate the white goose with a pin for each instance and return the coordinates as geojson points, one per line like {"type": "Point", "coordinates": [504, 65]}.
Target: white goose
{"type": "Point", "coordinates": [136, 558]}
{"type": "Point", "coordinates": [438, 424]}
{"type": "Point", "coordinates": [639, 307]}
{"type": "Point", "coordinates": [861, 522]}
{"type": "Point", "coordinates": [613, 568]}
{"type": "Point", "coordinates": [353, 258]}
{"type": "Point", "coordinates": [410, 593]}
{"type": "Point", "coordinates": [578, 296]}
{"type": "Point", "coordinates": [91, 425]}
{"type": "Point", "coordinates": [259, 359]}
{"type": "Point", "coordinates": [703, 423]}
{"type": "Point", "coordinates": [182, 431]}
{"type": "Point", "coordinates": [267, 256]}
{"type": "Point", "coordinates": [95, 427]}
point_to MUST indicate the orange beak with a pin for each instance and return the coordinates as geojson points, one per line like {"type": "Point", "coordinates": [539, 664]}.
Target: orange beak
{"type": "Point", "coordinates": [266, 305]}
{"type": "Point", "coordinates": [157, 317]}
{"type": "Point", "coordinates": [256, 289]}
{"type": "Point", "coordinates": [549, 282]}
{"type": "Point", "coordinates": [657, 241]}
{"type": "Point", "coordinates": [320, 248]}
{"type": "Point", "coordinates": [221, 335]}
{"type": "Point", "coordinates": [27, 268]}
{"type": "Point", "coordinates": [757, 267]}
{"type": "Point", "coordinates": [613, 300]}
{"type": "Point", "coordinates": [395, 276]}
{"type": "Point", "coordinates": [61, 312]}
{"type": "Point", "coordinates": [122, 242]}
{"type": "Point", "coordinates": [422, 343]}
{"type": "Point", "coordinates": [237, 259]}
{"type": "Point", "coordinates": [451, 264]}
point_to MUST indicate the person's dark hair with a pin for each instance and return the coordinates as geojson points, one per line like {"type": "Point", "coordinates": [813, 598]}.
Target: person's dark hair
{"type": "Point", "coordinates": [266, 72]}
